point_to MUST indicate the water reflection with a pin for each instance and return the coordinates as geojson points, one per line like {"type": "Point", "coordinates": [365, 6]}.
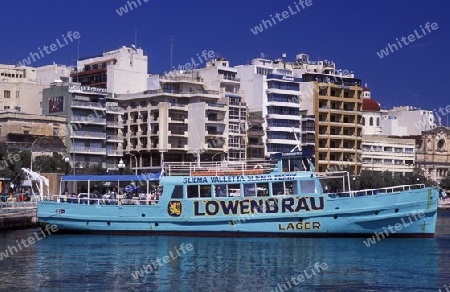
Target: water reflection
{"type": "Point", "coordinates": [92, 262]}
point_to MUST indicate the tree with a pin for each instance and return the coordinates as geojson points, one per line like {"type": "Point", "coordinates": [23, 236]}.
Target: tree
{"type": "Point", "coordinates": [50, 164]}
{"type": "Point", "coordinates": [12, 160]}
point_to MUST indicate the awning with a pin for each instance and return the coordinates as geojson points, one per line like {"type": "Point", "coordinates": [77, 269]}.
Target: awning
{"type": "Point", "coordinates": [114, 177]}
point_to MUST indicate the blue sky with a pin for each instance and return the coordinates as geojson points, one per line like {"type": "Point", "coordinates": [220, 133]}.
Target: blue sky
{"type": "Point", "coordinates": [348, 32]}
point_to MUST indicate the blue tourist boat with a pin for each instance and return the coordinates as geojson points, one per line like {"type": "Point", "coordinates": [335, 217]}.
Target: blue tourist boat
{"type": "Point", "coordinates": [283, 196]}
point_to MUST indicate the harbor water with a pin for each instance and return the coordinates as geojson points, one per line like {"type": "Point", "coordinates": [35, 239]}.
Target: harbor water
{"type": "Point", "coordinates": [66, 262]}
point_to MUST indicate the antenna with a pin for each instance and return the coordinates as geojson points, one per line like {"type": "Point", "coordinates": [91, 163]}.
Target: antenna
{"type": "Point", "coordinates": [299, 137]}
{"type": "Point", "coordinates": [416, 96]}
{"type": "Point", "coordinates": [171, 53]}
{"type": "Point", "coordinates": [135, 36]}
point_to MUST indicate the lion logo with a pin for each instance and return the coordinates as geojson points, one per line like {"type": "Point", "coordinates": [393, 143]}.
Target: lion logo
{"type": "Point", "coordinates": [174, 208]}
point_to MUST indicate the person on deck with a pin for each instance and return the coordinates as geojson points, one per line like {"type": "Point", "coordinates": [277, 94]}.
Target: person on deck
{"type": "Point", "coordinates": [27, 196]}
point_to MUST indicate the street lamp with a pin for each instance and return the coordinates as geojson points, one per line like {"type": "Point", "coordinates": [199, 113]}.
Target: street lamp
{"type": "Point", "coordinates": [31, 150]}
{"type": "Point", "coordinates": [121, 166]}
{"type": "Point", "coordinates": [66, 189]}
{"type": "Point", "coordinates": [135, 160]}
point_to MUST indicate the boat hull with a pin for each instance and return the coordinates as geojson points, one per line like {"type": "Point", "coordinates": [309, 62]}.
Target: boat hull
{"type": "Point", "coordinates": [410, 213]}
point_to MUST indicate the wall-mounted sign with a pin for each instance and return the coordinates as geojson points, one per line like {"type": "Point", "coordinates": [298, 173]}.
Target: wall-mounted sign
{"type": "Point", "coordinates": [56, 104]}
{"type": "Point", "coordinates": [87, 89]}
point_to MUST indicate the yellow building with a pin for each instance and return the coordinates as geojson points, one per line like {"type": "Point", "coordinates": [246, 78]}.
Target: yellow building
{"type": "Point", "coordinates": [336, 102]}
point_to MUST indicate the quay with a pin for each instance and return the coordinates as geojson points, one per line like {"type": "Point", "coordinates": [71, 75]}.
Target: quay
{"type": "Point", "coordinates": [17, 215]}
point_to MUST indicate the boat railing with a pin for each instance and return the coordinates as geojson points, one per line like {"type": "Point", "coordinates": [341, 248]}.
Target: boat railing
{"type": "Point", "coordinates": [14, 207]}
{"type": "Point", "coordinates": [219, 168]}
{"type": "Point", "coordinates": [379, 191]}
{"type": "Point", "coordinates": [117, 200]}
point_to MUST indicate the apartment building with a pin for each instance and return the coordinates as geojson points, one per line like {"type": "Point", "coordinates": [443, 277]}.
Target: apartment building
{"type": "Point", "coordinates": [119, 71]}
{"type": "Point", "coordinates": [336, 103]}
{"type": "Point", "coordinates": [48, 74]}
{"type": "Point", "coordinates": [19, 90]}
{"type": "Point", "coordinates": [407, 121]}
{"type": "Point", "coordinates": [382, 153]}
{"type": "Point", "coordinates": [219, 76]}
{"type": "Point", "coordinates": [92, 123]}
{"type": "Point", "coordinates": [176, 120]}
{"type": "Point", "coordinates": [272, 93]}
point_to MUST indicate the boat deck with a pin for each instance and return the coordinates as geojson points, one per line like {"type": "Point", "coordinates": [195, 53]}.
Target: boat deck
{"type": "Point", "coordinates": [220, 168]}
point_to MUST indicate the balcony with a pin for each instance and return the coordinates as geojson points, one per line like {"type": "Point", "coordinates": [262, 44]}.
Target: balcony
{"type": "Point", "coordinates": [114, 124]}
{"type": "Point", "coordinates": [88, 150]}
{"type": "Point", "coordinates": [255, 145]}
{"type": "Point", "coordinates": [229, 79]}
{"type": "Point", "coordinates": [295, 105]}
{"type": "Point", "coordinates": [88, 120]}
{"type": "Point", "coordinates": [184, 92]}
{"type": "Point", "coordinates": [282, 141]}
{"type": "Point", "coordinates": [214, 133]}
{"type": "Point", "coordinates": [282, 91]}
{"type": "Point", "coordinates": [87, 105]}
{"type": "Point", "coordinates": [114, 152]}
{"type": "Point", "coordinates": [175, 132]}
{"type": "Point", "coordinates": [308, 130]}
{"type": "Point", "coordinates": [256, 132]}
{"type": "Point", "coordinates": [88, 135]}
{"type": "Point", "coordinates": [85, 72]}
{"type": "Point", "coordinates": [177, 146]}
{"type": "Point", "coordinates": [308, 142]}
{"type": "Point", "coordinates": [114, 138]}
{"type": "Point", "coordinates": [114, 110]}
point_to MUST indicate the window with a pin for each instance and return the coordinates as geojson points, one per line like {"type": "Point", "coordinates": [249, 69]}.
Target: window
{"type": "Point", "coordinates": [308, 186]}
{"type": "Point", "coordinates": [371, 121]}
{"type": "Point", "coordinates": [202, 191]}
{"type": "Point", "coordinates": [7, 94]}
{"type": "Point", "coordinates": [263, 71]}
{"type": "Point", "coordinates": [6, 107]}
{"type": "Point", "coordinates": [284, 188]}
{"type": "Point", "coordinates": [177, 192]}
{"type": "Point", "coordinates": [378, 122]}
{"type": "Point", "coordinates": [256, 189]}
{"type": "Point", "coordinates": [17, 94]}
{"type": "Point", "coordinates": [441, 144]}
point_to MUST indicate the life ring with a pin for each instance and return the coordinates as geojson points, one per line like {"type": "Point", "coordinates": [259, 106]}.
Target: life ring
{"type": "Point", "coordinates": [258, 166]}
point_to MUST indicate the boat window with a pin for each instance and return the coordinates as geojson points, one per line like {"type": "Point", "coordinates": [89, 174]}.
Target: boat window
{"type": "Point", "coordinates": [256, 189]}
{"type": "Point", "coordinates": [220, 191]}
{"type": "Point", "coordinates": [308, 186]}
{"type": "Point", "coordinates": [177, 192]}
{"type": "Point", "coordinates": [285, 165]}
{"type": "Point", "coordinates": [234, 190]}
{"type": "Point", "coordinates": [284, 188]}
{"type": "Point", "coordinates": [293, 164]}
{"type": "Point", "coordinates": [202, 191]}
